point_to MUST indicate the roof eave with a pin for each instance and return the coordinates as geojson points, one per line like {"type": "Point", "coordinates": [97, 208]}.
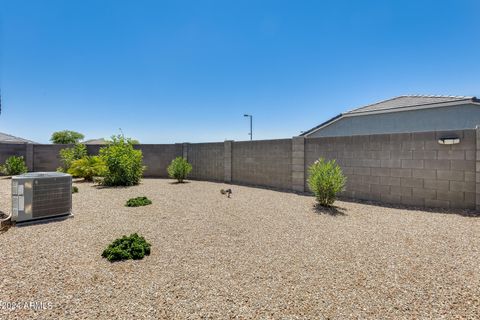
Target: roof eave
{"type": "Point", "coordinates": [416, 107]}
{"type": "Point", "coordinates": [474, 101]}
{"type": "Point", "coordinates": [322, 125]}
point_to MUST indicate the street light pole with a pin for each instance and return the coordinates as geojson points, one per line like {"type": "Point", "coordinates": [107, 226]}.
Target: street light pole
{"type": "Point", "coordinates": [251, 122]}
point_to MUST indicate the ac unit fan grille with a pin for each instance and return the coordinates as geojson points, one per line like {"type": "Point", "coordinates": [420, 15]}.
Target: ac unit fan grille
{"type": "Point", "coordinates": [51, 197]}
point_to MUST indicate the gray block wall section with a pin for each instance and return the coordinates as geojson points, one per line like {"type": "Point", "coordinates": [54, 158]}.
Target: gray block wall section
{"type": "Point", "coordinates": [46, 156]}
{"type": "Point", "coordinates": [477, 169]}
{"type": "Point", "coordinates": [207, 160]}
{"type": "Point", "coordinates": [298, 164]}
{"type": "Point", "coordinates": [12, 149]}
{"type": "Point", "coordinates": [405, 168]}
{"type": "Point", "coordinates": [412, 168]}
{"type": "Point", "coordinates": [227, 161]}
{"type": "Point", "coordinates": [157, 157]}
{"type": "Point", "coordinates": [263, 163]}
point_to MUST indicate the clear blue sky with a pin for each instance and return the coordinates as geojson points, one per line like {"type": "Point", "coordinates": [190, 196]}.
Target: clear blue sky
{"type": "Point", "coordinates": [174, 71]}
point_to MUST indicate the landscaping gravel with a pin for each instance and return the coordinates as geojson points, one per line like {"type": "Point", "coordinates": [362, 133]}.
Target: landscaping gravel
{"type": "Point", "coordinates": [259, 254]}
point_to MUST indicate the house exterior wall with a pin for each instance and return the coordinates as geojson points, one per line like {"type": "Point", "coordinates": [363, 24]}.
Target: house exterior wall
{"type": "Point", "coordinates": [434, 119]}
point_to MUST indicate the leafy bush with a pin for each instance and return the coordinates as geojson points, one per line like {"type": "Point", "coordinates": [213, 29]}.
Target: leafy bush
{"type": "Point", "coordinates": [124, 163]}
{"type": "Point", "coordinates": [74, 189]}
{"type": "Point", "coordinates": [138, 202]}
{"type": "Point", "coordinates": [326, 180]}
{"type": "Point", "coordinates": [179, 169]}
{"type": "Point", "coordinates": [69, 155]}
{"type": "Point", "coordinates": [88, 167]}
{"type": "Point", "coordinates": [131, 247]}
{"type": "Point", "coordinates": [14, 165]}
{"type": "Point", "coordinates": [66, 137]}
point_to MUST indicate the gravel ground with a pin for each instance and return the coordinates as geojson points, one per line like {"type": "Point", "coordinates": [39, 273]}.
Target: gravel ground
{"type": "Point", "coordinates": [261, 254]}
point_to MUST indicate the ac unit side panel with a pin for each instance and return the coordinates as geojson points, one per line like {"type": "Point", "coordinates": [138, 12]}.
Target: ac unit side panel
{"type": "Point", "coordinates": [41, 196]}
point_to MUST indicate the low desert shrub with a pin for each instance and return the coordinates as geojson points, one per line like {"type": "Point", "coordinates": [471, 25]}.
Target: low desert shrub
{"type": "Point", "coordinates": [14, 165]}
{"type": "Point", "coordinates": [69, 155]}
{"type": "Point", "coordinates": [74, 189]}
{"type": "Point", "coordinates": [124, 248]}
{"type": "Point", "coordinates": [138, 202]}
{"type": "Point", "coordinates": [88, 167]}
{"type": "Point", "coordinates": [326, 180]}
{"type": "Point", "coordinates": [124, 163]}
{"type": "Point", "coordinates": [179, 169]}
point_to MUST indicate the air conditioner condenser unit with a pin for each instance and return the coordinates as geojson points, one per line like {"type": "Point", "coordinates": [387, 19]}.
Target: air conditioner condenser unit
{"type": "Point", "coordinates": [41, 195]}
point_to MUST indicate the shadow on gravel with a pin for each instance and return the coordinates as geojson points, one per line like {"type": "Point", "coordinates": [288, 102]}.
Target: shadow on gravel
{"type": "Point", "coordinates": [4, 227]}
{"type": "Point", "coordinates": [101, 186]}
{"type": "Point", "coordinates": [471, 213]}
{"type": "Point", "coordinates": [176, 182]}
{"type": "Point", "coordinates": [331, 211]}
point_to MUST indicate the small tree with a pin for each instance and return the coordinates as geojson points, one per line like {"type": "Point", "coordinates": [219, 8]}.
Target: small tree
{"type": "Point", "coordinates": [326, 180]}
{"type": "Point", "coordinates": [179, 169]}
{"type": "Point", "coordinates": [66, 137]}
{"type": "Point", "coordinates": [124, 163]}
{"type": "Point", "coordinates": [14, 165]}
{"type": "Point", "coordinates": [88, 167]}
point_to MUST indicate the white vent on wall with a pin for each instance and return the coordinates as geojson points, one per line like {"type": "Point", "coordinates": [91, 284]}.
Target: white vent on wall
{"type": "Point", "coordinates": [452, 140]}
{"type": "Point", "coordinates": [41, 195]}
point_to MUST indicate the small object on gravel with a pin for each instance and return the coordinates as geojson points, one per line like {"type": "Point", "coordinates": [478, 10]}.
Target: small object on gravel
{"type": "Point", "coordinates": [228, 192]}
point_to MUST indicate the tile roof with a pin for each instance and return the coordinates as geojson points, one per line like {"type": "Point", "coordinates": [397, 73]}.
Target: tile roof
{"type": "Point", "coordinates": [7, 138]}
{"type": "Point", "coordinates": [95, 141]}
{"type": "Point", "coordinates": [409, 101]}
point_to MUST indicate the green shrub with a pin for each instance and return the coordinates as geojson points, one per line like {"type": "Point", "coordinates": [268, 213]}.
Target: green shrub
{"type": "Point", "coordinates": [138, 202]}
{"type": "Point", "coordinates": [326, 180]}
{"type": "Point", "coordinates": [74, 189]}
{"type": "Point", "coordinates": [66, 137]}
{"type": "Point", "coordinates": [131, 247]}
{"type": "Point", "coordinates": [14, 165]}
{"type": "Point", "coordinates": [179, 169]}
{"type": "Point", "coordinates": [69, 155]}
{"type": "Point", "coordinates": [124, 163]}
{"type": "Point", "coordinates": [88, 167]}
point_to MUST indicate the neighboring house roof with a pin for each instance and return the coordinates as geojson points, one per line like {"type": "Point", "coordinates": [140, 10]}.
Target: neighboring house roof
{"type": "Point", "coordinates": [7, 138]}
{"type": "Point", "coordinates": [400, 103]}
{"type": "Point", "coordinates": [95, 141]}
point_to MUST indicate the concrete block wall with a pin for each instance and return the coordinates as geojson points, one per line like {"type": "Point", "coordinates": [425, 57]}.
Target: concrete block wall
{"type": "Point", "coordinates": [157, 157]}
{"type": "Point", "coordinates": [207, 160]}
{"type": "Point", "coordinates": [46, 157]}
{"type": "Point", "coordinates": [412, 168]}
{"type": "Point", "coordinates": [12, 149]}
{"type": "Point", "coordinates": [264, 163]}
{"type": "Point", "coordinates": [227, 161]}
{"type": "Point", "coordinates": [477, 169]}
{"type": "Point", "coordinates": [298, 164]}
